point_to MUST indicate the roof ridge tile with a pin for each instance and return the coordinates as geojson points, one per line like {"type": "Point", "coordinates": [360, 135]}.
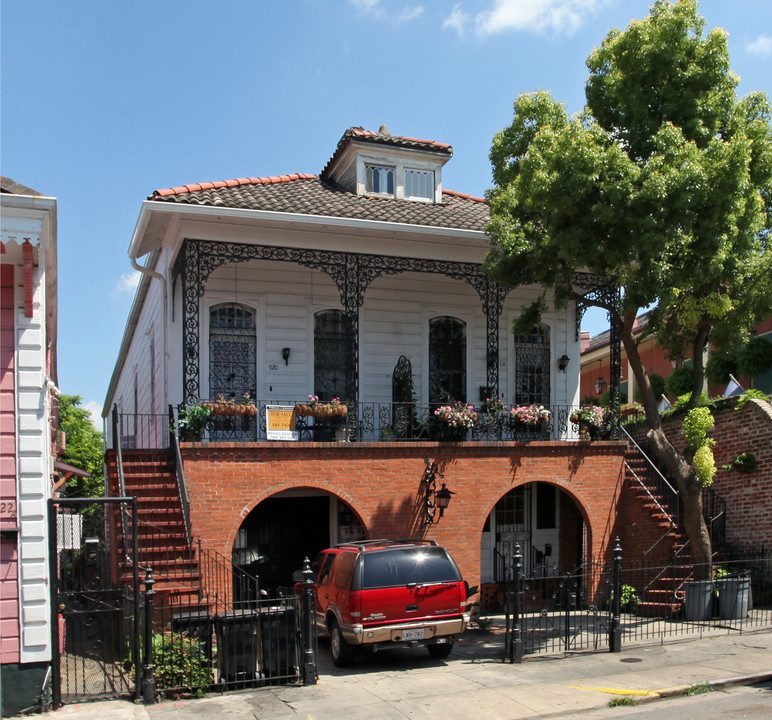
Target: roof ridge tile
{"type": "Point", "coordinates": [455, 193]}
{"type": "Point", "coordinates": [213, 185]}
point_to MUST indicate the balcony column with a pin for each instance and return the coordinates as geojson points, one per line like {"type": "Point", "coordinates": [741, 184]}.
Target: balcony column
{"type": "Point", "coordinates": [493, 306]}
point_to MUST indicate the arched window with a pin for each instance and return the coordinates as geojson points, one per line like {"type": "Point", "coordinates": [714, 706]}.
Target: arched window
{"type": "Point", "coordinates": [447, 360]}
{"type": "Point", "coordinates": [330, 354]}
{"type": "Point", "coordinates": [532, 367]}
{"type": "Point", "coordinates": [232, 351]}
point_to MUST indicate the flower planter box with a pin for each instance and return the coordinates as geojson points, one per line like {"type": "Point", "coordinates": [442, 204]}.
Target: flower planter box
{"type": "Point", "coordinates": [321, 410]}
{"type": "Point", "coordinates": [230, 408]}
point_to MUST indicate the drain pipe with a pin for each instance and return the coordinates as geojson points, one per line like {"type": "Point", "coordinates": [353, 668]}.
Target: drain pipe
{"type": "Point", "coordinates": [153, 274]}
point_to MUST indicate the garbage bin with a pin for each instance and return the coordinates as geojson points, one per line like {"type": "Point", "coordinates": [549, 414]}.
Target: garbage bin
{"type": "Point", "coordinates": [197, 624]}
{"type": "Point", "coordinates": [237, 645]}
{"type": "Point", "coordinates": [698, 603]}
{"type": "Point", "coordinates": [734, 596]}
{"type": "Point", "coordinates": [280, 635]}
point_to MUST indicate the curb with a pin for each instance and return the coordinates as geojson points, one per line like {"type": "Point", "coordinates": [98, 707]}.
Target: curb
{"type": "Point", "coordinates": [713, 684]}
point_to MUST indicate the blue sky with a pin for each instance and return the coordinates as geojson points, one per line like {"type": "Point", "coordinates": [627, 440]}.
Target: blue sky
{"type": "Point", "coordinates": [104, 102]}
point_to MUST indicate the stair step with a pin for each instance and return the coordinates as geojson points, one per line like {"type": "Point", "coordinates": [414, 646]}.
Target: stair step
{"type": "Point", "coordinates": [657, 609]}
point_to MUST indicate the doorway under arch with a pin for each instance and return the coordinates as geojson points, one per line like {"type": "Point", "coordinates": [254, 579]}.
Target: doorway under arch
{"type": "Point", "coordinates": [544, 521]}
{"type": "Point", "coordinates": [285, 528]}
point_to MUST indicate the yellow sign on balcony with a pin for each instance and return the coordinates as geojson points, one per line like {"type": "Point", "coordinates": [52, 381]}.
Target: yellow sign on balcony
{"type": "Point", "coordinates": [280, 422]}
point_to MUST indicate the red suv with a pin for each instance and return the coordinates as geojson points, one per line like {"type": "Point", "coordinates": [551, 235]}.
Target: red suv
{"type": "Point", "coordinates": [387, 594]}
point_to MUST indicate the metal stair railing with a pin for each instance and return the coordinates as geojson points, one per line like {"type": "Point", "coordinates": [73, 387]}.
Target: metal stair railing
{"type": "Point", "coordinates": [121, 480]}
{"type": "Point", "coordinates": [669, 494]}
{"type": "Point", "coordinates": [179, 472]}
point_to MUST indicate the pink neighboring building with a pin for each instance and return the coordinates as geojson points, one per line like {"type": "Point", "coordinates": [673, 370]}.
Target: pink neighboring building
{"type": "Point", "coordinates": [28, 316]}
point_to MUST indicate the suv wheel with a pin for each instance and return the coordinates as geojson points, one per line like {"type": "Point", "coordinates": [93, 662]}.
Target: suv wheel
{"type": "Point", "coordinates": [441, 650]}
{"type": "Point", "coordinates": [342, 653]}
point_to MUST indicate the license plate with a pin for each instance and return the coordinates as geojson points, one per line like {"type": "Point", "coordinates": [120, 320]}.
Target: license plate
{"type": "Point", "coordinates": [413, 634]}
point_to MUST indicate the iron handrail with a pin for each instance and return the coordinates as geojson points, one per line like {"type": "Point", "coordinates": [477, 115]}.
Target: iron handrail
{"type": "Point", "coordinates": [121, 476]}
{"type": "Point", "coordinates": [179, 472]}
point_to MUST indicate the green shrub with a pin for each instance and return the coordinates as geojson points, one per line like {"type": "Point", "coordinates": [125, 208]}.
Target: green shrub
{"type": "Point", "coordinates": [748, 395]}
{"type": "Point", "coordinates": [683, 400]}
{"type": "Point", "coordinates": [718, 369]}
{"type": "Point", "coordinates": [705, 465]}
{"type": "Point", "coordinates": [180, 663]}
{"type": "Point", "coordinates": [697, 423]}
{"type": "Point", "coordinates": [680, 381]}
{"type": "Point", "coordinates": [755, 357]}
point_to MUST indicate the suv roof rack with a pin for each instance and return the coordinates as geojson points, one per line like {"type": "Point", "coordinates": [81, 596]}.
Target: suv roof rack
{"type": "Point", "coordinates": [364, 544]}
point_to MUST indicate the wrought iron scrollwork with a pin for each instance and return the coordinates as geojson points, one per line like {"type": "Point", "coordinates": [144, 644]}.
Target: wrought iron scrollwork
{"type": "Point", "coordinates": [352, 273]}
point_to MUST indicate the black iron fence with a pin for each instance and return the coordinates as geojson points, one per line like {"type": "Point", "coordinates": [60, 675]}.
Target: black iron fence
{"type": "Point", "coordinates": [362, 422]}
{"type": "Point", "coordinates": [199, 625]}
{"type": "Point", "coordinates": [196, 647]}
{"type": "Point", "coordinates": [667, 601]}
{"type": "Point", "coordinates": [603, 607]}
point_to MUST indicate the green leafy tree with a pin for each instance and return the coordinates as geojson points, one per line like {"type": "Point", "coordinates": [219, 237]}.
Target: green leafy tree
{"type": "Point", "coordinates": [84, 448]}
{"type": "Point", "coordinates": [661, 187]}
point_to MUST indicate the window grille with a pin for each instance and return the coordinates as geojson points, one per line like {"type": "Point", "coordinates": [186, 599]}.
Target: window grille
{"type": "Point", "coordinates": [330, 354]}
{"type": "Point", "coordinates": [379, 179]}
{"type": "Point", "coordinates": [447, 360]}
{"type": "Point", "coordinates": [419, 184]}
{"type": "Point", "coordinates": [232, 366]}
{"type": "Point", "coordinates": [532, 375]}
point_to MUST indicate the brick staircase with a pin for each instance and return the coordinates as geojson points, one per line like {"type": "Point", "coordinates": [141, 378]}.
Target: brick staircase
{"type": "Point", "coordinates": [161, 538]}
{"type": "Point", "coordinates": [662, 595]}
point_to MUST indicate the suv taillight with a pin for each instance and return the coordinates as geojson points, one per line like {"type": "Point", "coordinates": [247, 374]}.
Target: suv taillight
{"type": "Point", "coordinates": [355, 604]}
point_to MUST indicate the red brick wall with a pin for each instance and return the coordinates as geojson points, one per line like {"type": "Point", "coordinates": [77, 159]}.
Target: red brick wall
{"type": "Point", "coordinates": [382, 483]}
{"type": "Point", "coordinates": [748, 496]}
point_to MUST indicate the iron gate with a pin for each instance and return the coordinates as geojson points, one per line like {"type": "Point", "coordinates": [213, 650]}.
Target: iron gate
{"type": "Point", "coordinates": [95, 603]}
{"type": "Point", "coordinates": [568, 612]}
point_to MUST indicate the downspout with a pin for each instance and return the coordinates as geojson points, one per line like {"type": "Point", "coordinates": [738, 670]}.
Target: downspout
{"type": "Point", "coordinates": [153, 274]}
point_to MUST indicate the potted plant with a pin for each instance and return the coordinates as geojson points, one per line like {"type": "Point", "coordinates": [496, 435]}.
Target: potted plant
{"type": "Point", "coordinates": [632, 409]}
{"type": "Point", "coordinates": [192, 421]}
{"type": "Point", "coordinates": [493, 406]}
{"type": "Point", "coordinates": [229, 406]}
{"type": "Point", "coordinates": [315, 408]}
{"type": "Point", "coordinates": [454, 420]}
{"type": "Point", "coordinates": [388, 433]}
{"type": "Point", "coordinates": [529, 414]}
{"type": "Point", "coordinates": [589, 418]}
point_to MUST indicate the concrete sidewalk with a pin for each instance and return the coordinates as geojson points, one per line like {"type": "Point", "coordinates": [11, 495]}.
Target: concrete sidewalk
{"type": "Point", "coordinates": [472, 682]}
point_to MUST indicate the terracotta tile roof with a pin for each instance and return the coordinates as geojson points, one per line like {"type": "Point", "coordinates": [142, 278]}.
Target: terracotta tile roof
{"type": "Point", "coordinates": [383, 137]}
{"type": "Point", "coordinates": [310, 195]}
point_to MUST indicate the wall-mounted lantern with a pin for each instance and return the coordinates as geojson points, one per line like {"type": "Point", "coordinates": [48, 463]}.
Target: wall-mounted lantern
{"type": "Point", "coordinates": [563, 362]}
{"type": "Point", "coordinates": [434, 499]}
{"type": "Point", "coordinates": [285, 353]}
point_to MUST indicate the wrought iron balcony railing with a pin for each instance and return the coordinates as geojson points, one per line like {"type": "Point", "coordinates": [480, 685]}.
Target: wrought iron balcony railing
{"type": "Point", "coordinates": [365, 422]}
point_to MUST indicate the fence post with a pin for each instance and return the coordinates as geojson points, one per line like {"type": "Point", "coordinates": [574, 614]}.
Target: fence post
{"type": "Point", "coordinates": [172, 426]}
{"type": "Point", "coordinates": [309, 630]}
{"type": "Point", "coordinates": [148, 677]}
{"type": "Point", "coordinates": [615, 628]}
{"type": "Point", "coordinates": [115, 427]}
{"type": "Point", "coordinates": [515, 641]}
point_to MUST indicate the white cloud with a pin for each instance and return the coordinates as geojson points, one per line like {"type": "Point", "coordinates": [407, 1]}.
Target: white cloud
{"type": "Point", "coordinates": [127, 283]}
{"type": "Point", "coordinates": [410, 13]}
{"type": "Point", "coordinates": [374, 8]}
{"type": "Point", "coordinates": [457, 20]}
{"type": "Point", "coordinates": [560, 16]}
{"type": "Point", "coordinates": [761, 46]}
{"type": "Point", "coordinates": [95, 409]}
{"type": "Point", "coordinates": [365, 5]}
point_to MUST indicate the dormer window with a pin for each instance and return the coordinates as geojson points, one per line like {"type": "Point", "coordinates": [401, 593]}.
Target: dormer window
{"type": "Point", "coordinates": [379, 180]}
{"type": "Point", "coordinates": [419, 184]}
{"type": "Point", "coordinates": [388, 166]}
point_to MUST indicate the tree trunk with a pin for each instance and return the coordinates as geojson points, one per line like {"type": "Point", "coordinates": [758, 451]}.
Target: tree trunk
{"type": "Point", "coordinates": [676, 463]}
